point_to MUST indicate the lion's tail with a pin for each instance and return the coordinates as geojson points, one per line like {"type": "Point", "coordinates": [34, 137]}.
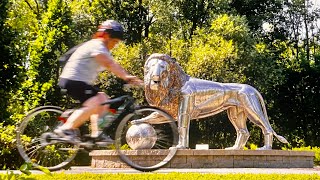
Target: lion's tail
{"type": "Point", "coordinates": [280, 138]}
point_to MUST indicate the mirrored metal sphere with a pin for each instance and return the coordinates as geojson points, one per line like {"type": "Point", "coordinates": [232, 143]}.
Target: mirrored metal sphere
{"type": "Point", "coordinates": [141, 136]}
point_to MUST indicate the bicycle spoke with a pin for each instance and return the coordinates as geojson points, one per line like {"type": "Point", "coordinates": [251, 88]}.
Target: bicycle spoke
{"type": "Point", "coordinates": [35, 149]}
{"type": "Point", "coordinates": [163, 136]}
{"type": "Point", "coordinates": [43, 152]}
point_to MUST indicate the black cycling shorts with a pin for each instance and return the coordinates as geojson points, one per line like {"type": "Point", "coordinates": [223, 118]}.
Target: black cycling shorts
{"type": "Point", "coordinates": [78, 90]}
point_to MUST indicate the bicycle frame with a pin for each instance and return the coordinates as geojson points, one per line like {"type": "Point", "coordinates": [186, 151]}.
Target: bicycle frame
{"type": "Point", "coordinates": [125, 108]}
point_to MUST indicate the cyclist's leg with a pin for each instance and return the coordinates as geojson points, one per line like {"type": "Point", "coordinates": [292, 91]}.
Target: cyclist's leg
{"type": "Point", "coordinates": [94, 118]}
{"type": "Point", "coordinates": [91, 107]}
{"type": "Point", "coordinates": [90, 98]}
{"type": "Point", "coordinates": [101, 97]}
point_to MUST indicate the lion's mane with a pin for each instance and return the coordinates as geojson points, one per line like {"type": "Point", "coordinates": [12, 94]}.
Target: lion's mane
{"type": "Point", "coordinates": [167, 98]}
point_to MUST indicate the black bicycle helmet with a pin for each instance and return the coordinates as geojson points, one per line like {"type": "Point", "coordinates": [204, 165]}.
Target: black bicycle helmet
{"type": "Point", "coordinates": [113, 28]}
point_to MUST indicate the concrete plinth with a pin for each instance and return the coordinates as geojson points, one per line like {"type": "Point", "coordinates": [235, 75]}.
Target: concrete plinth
{"type": "Point", "coordinates": [212, 158]}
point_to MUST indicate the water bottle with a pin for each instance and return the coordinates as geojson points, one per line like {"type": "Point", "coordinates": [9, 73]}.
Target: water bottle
{"type": "Point", "coordinates": [106, 120]}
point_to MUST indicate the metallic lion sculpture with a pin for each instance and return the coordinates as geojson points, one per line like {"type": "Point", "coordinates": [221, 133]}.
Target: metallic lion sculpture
{"type": "Point", "coordinates": [167, 86]}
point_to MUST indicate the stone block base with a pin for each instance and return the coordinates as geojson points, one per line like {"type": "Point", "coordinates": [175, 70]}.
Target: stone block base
{"type": "Point", "coordinates": [214, 158]}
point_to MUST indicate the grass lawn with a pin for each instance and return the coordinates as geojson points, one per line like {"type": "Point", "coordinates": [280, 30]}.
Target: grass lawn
{"type": "Point", "coordinates": [168, 176]}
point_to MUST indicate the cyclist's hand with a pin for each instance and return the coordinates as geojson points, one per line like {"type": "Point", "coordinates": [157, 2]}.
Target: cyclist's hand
{"type": "Point", "coordinates": [134, 80]}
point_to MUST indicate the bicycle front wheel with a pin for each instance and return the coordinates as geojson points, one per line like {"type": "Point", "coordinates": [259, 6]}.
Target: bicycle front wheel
{"type": "Point", "coordinates": [146, 139]}
{"type": "Point", "coordinates": [35, 143]}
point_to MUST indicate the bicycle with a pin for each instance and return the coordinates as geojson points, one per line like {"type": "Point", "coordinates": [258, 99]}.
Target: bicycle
{"type": "Point", "coordinates": [37, 144]}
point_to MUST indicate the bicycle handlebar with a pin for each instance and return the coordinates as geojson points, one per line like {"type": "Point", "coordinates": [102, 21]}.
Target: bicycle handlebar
{"type": "Point", "coordinates": [124, 97]}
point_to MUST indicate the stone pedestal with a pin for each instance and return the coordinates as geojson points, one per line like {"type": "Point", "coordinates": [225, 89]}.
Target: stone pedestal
{"type": "Point", "coordinates": [213, 158]}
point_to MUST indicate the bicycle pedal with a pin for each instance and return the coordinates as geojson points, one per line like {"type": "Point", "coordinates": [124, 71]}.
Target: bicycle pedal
{"type": "Point", "coordinates": [74, 141]}
{"type": "Point", "coordinates": [100, 144]}
{"type": "Point", "coordinates": [87, 144]}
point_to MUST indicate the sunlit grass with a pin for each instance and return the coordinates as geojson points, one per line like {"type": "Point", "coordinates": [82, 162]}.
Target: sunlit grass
{"type": "Point", "coordinates": [170, 176]}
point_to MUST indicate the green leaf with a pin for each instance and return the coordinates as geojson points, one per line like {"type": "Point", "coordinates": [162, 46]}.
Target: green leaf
{"type": "Point", "coordinates": [45, 170]}
{"type": "Point", "coordinates": [25, 168]}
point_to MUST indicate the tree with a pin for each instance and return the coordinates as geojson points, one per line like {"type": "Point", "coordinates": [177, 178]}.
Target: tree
{"type": "Point", "coordinates": [41, 41]}
{"type": "Point", "coordinates": [297, 23]}
{"type": "Point", "coordinates": [221, 52]}
{"type": "Point", "coordinates": [257, 11]}
{"type": "Point", "coordinates": [195, 13]}
{"type": "Point", "coordinates": [295, 109]}
{"type": "Point", "coordinates": [10, 66]}
{"type": "Point", "coordinates": [51, 37]}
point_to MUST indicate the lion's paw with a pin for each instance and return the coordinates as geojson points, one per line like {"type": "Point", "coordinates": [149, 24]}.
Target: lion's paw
{"type": "Point", "coordinates": [265, 148]}
{"type": "Point", "coordinates": [234, 148]}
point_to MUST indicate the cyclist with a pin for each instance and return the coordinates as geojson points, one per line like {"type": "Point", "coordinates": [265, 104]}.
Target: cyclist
{"type": "Point", "coordinates": [80, 72]}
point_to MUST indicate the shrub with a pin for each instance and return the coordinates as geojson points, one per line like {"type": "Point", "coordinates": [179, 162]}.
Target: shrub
{"type": "Point", "coordinates": [8, 151]}
{"type": "Point", "coordinates": [315, 149]}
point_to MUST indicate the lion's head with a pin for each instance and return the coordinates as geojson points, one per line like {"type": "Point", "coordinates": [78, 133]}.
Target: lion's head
{"type": "Point", "coordinates": [163, 79]}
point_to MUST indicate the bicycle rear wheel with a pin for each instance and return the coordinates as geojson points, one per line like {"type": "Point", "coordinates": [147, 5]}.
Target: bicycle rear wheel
{"type": "Point", "coordinates": [35, 139]}
{"type": "Point", "coordinates": [146, 139]}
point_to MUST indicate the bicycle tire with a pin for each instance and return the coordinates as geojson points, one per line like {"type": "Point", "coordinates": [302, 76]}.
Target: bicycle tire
{"type": "Point", "coordinates": [157, 155]}
{"type": "Point", "coordinates": [54, 155]}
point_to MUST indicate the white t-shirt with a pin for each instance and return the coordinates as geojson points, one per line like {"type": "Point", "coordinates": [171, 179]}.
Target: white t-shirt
{"type": "Point", "coordinates": [82, 65]}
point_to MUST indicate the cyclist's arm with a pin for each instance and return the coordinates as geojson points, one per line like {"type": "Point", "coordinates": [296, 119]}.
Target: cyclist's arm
{"type": "Point", "coordinates": [112, 66]}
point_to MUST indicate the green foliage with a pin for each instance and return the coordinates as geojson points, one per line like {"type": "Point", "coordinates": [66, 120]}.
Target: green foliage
{"type": "Point", "coordinates": [216, 53]}
{"type": "Point", "coordinates": [315, 149]}
{"type": "Point", "coordinates": [194, 13]}
{"type": "Point", "coordinates": [10, 66]}
{"type": "Point", "coordinates": [52, 36]}
{"type": "Point", "coordinates": [257, 11]}
{"type": "Point", "coordinates": [45, 42]}
{"type": "Point", "coordinates": [180, 50]}
{"type": "Point", "coordinates": [265, 71]}
{"type": "Point", "coordinates": [9, 176]}
{"type": "Point", "coordinates": [123, 147]}
{"type": "Point", "coordinates": [251, 146]}
{"type": "Point", "coordinates": [133, 14]}
{"type": "Point", "coordinates": [86, 16]}
{"type": "Point", "coordinates": [25, 169]}
{"type": "Point", "coordinates": [293, 106]}
{"type": "Point", "coordinates": [130, 57]}
{"type": "Point", "coordinates": [8, 150]}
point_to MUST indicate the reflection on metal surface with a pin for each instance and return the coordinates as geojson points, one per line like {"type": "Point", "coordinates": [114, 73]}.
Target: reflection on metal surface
{"type": "Point", "coordinates": [167, 86]}
{"type": "Point", "coordinates": [141, 136]}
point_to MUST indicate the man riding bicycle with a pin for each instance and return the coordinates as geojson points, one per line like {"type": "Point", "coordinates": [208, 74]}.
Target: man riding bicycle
{"type": "Point", "coordinates": [81, 71]}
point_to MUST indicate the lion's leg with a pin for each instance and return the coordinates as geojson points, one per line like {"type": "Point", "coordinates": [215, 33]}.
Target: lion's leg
{"type": "Point", "coordinates": [184, 121]}
{"type": "Point", "coordinates": [183, 128]}
{"type": "Point", "coordinates": [238, 118]}
{"type": "Point", "coordinates": [256, 115]}
{"type": "Point", "coordinates": [267, 134]}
